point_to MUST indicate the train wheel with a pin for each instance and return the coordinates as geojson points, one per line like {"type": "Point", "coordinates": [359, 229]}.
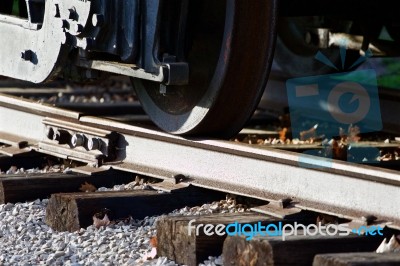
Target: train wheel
{"type": "Point", "coordinates": [229, 58]}
{"type": "Point", "coordinates": [296, 47]}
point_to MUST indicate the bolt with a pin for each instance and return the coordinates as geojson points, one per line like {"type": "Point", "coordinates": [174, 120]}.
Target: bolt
{"type": "Point", "coordinates": [77, 140]}
{"type": "Point", "coordinates": [72, 13]}
{"type": "Point", "coordinates": [368, 218]}
{"type": "Point", "coordinates": [27, 55]}
{"type": "Point", "coordinates": [98, 20]}
{"type": "Point", "coordinates": [61, 136]}
{"type": "Point", "coordinates": [93, 144]}
{"type": "Point", "coordinates": [69, 39]}
{"type": "Point", "coordinates": [78, 28]}
{"type": "Point", "coordinates": [49, 132]}
{"type": "Point", "coordinates": [56, 11]}
{"type": "Point", "coordinates": [179, 178]}
{"type": "Point", "coordinates": [56, 135]}
{"type": "Point", "coordinates": [65, 24]}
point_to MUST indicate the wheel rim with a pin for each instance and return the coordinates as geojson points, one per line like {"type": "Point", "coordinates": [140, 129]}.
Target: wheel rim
{"type": "Point", "coordinates": [220, 98]}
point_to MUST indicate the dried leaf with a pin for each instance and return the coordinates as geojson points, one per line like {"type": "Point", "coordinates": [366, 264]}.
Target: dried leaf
{"type": "Point", "coordinates": [154, 241]}
{"type": "Point", "coordinates": [87, 187]}
{"type": "Point", "coordinates": [339, 151]}
{"type": "Point", "coordinates": [97, 222]}
{"type": "Point", "coordinates": [352, 134]}
{"type": "Point", "coordinates": [282, 134]}
{"type": "Point", "coordinates": [309, 134]}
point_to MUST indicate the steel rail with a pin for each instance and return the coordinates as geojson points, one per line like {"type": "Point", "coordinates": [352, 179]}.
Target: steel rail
{"type": "Point", "coordinates": [340, 188]}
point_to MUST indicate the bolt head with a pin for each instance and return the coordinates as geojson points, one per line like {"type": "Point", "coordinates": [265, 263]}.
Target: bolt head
{"type": "Point", "coordinates": [77, 140]}
{"type": "Point", "coordinates": [93, 144]}
{"type": "Point", "coordinates": [49, 132]}
{"type": "Point", "coordinates": [56, 135]}
{"type": "Point", "coordinates": [78, 28]}
{"type": "Point", "coordinates": [65, 24]}
{"type": "Point", "coordinates": [27, 55]}
{"type": "Point", "coordinates": [72, 13]}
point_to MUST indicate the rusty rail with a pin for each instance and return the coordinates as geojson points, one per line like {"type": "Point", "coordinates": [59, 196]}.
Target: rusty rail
{"type": "Point", "coordinates": [347, 190]}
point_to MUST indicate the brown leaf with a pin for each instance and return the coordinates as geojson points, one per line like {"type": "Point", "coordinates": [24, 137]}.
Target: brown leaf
{"type": "Point", "coordinates": [87, 187]}
{"type": "Point", "coordinates": [339, 151]}
{"type": "Point", "coordinates": [309, 134]}
{"type": "Point", "coordinates": [101, 222]}
{"type": "Point", "coordinates": [352, 134]}
{"type": "Point", "coordinates": [153, 241]}
{"type": "Point", "coordinates": [282, 134]}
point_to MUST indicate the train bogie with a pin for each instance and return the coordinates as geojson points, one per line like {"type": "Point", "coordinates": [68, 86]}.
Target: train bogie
{"type": "Point", "coordinates": [198, 67]}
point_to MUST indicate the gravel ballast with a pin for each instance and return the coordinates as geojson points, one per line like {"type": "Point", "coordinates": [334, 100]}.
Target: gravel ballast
{"type": "Point", "coordinates": [25, 239]}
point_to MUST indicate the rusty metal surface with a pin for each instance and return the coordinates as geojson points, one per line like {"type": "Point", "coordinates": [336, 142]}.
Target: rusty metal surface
{"type": "Point", "coordinates": [343, 189]}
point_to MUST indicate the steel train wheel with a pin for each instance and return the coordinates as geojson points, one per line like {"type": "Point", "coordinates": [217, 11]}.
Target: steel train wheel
{"type": "Point", "coordinates": [295, 55]}
{"type": "Point", "coordinates": [229, 59]}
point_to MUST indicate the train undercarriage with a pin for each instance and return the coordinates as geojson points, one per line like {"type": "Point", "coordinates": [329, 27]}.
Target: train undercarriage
{"type": "Point", "coordinates": [198, 67]}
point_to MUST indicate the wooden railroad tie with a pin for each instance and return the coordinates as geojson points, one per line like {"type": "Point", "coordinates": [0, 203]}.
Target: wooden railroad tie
{"type": "Point", "coordinates": [24, 187]}
{"type": "Point", "coordinates": [175, 242]}
{"type": "Point", "coordinates": [72, 211]}
{"type": "Point", "coordinates": [295, 250]}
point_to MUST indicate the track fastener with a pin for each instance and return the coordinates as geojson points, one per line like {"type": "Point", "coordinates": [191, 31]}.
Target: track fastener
{"type": "Point", "coordinates": [49, 132]}
{"type": "Point", "coordinates": [77, 140]}
{"type": "Point", "coordinates": [93, 144]}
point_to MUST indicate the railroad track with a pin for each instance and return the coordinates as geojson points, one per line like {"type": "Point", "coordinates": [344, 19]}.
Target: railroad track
{"type": "Point", "coordinates": [247, 170]}
{"type": "Point", "coordinates": [362, 195]}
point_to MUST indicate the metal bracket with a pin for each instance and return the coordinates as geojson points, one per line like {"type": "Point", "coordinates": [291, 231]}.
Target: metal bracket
{"type": "Point", "coordinates": [280, 208]}
{"type": "Point", "coordinates": [78, 142]}
{"type": "Point", "coordinates": [177, 73]}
